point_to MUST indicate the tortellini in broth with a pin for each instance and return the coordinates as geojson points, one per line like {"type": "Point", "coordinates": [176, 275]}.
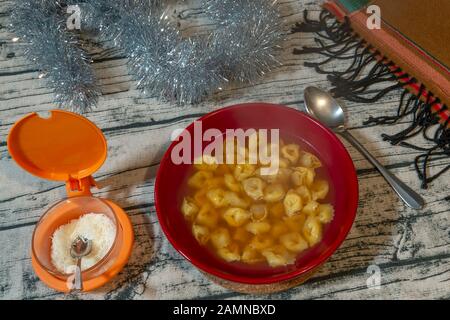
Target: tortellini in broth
{"type": "Point", "coordinates": [246, 217]}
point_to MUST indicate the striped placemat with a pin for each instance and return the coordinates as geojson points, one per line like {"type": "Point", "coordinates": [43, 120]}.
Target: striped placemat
{"type": "Point", "coordinates": [391, 46]}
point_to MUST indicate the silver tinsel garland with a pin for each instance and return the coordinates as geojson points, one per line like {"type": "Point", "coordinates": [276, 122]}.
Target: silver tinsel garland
{"type": "Point", "coordinates": [241, 49]}
{"type": "Point", "coordinates": [55, 52]}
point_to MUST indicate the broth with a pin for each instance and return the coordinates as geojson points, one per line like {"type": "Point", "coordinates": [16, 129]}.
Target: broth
{"type": "Point", "coordinates": [244, 217]}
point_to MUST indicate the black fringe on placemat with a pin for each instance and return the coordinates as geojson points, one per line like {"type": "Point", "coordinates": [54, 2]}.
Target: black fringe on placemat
{"type": "Point", "coordinates": [336, 41]}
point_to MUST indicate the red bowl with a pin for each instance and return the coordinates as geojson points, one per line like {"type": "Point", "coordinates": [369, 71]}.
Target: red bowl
{"type": "Point", "coordinates": [295, 126]}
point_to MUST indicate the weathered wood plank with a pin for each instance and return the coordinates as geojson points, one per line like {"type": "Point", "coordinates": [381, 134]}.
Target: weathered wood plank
{"type": "Point", "coordinates": [379, 233]}
{"type": "Point", "coordinates": [412, 248]}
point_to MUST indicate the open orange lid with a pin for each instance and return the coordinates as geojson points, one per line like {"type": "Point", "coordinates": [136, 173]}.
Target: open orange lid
{"type": "Point", "coordinates": [63, 147]}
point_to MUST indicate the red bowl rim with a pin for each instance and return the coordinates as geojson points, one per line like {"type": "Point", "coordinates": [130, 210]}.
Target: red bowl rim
{"type": "Point", "coordinates": [315, 261]}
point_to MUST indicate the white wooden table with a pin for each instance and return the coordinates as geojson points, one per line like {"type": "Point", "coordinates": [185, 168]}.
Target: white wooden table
{"type": "Point", "coordinates": [411, 248]}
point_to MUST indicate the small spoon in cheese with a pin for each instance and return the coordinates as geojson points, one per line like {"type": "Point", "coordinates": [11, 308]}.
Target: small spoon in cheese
{"type": "Point", "coordinates": [80, 248]}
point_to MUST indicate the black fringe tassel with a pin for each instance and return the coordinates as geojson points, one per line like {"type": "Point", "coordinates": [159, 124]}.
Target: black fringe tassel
{"type": "Point", "coordinates": [336, 41]}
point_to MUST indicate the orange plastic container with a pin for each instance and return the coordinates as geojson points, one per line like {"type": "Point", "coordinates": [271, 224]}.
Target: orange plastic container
{"type": "Point", "coordinates": [68, 147]}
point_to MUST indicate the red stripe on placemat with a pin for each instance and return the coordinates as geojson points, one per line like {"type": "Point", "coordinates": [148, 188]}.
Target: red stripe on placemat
{"type": "Point", "coordinates": [437, 107]}
{"type": "Point", "coordinates": [426, 94]}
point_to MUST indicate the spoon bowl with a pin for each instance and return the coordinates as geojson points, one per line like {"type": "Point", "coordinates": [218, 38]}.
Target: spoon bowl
{"type": "Point", "coordinates": [321, 105]}
{"type": "Point", "coordinates": [325, 108]}
{"type": "Point", "coordinates": [80, 248]}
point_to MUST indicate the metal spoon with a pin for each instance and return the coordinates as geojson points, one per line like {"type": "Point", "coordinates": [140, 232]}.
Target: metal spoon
{"type": "Point", "coordinates": [80, 248]}
{"type": "Point", "coordinates": [321, 105]}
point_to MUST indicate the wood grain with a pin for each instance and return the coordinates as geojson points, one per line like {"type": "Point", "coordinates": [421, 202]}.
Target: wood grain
{"type": "Point", "coordinates": [412, 248]}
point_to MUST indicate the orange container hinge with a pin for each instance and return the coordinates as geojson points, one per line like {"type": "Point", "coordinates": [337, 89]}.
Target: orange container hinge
{"type": "Point", "coordinates": [80, 187]}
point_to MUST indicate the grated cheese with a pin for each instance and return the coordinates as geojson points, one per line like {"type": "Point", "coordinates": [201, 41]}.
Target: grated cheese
{"type": "Point", "coordinates": [92, 226]}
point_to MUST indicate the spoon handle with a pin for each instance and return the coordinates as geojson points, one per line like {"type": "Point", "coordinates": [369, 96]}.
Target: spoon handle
{"type": "Point", "coordinates": [409, 196]}
{"type": "Point", "coordinates": [78, 283]}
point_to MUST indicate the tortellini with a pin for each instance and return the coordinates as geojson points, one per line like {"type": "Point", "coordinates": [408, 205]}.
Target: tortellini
{"type": "Point", "coordinates": [230, 253]}
{"type": "Point", "coordinates": [236, 217]}
{"type": "Point", "coordinates": [234, 200]}
{"type": "Point", "coordinates": [189, 209]}
{"type": "Point", "coordinates": [260, 243]}
{"type": "Point", "coordinates": [231, 183]}
{"type": "Point", "coordinates": [199, 179]}
{"type": "Point", "coordinates": [274, 193]}
{"type": "Point", "coordinates": [250, 255]}
{"type": "Point", "coordinates": [254, 188]}
{"type": "Point", "coordinates": [305, 193]}
{"type": "Point", "coordinates": [293, 203]}
{"type": "Point", "coordinates": [291, 152]}
{"type": "Point", "coordinates": [325, 213]}
{"type": "Point", "coordinates": [201, 233]}
{"type": "Point", "coordinates": [312, 230]}
{"type": "Point", "coordinates": [200, 197]}
{"type": "Point", "coordinates": [308, 160]}
{"type": "Point", "coordinates": [303, 176]}
{"type": "Point", "coordinates": [283, 175]}
{"type": "Point", "coordinates": [244, 171]}
{"type": "Point", "coordinates": [247, 217]}
{"type": "Point", "coordinates": [284, 163]}
{"type": "Point", "coordinates": [221, 238]}
{"type": "Point", "coordinates": [217, 197]}
{"type": "Point", "coordinates": [259, 212]}
{"type": "Point", "coordinates": [277, 256]}
{"type": "Point", "coordinates": [320, 189]}
{"type": "Point", "coordinates": [207, 216]}
{"type": "Point", "coordinates": [294, 242]}
{"type": "Point", "coordinates": [311, 208]}
{"type": "Point", "coordinates": [258, 228]}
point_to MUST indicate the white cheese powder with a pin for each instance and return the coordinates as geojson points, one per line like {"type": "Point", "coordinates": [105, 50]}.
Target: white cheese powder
{"type": "Point", "coordinates": [92, 226]}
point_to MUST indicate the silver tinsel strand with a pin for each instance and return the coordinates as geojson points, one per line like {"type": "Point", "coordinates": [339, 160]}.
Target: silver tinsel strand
{"type": "Point", "coordinates": [56, 53]}
{"type": "Point", "coordinates": [241, 49]}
